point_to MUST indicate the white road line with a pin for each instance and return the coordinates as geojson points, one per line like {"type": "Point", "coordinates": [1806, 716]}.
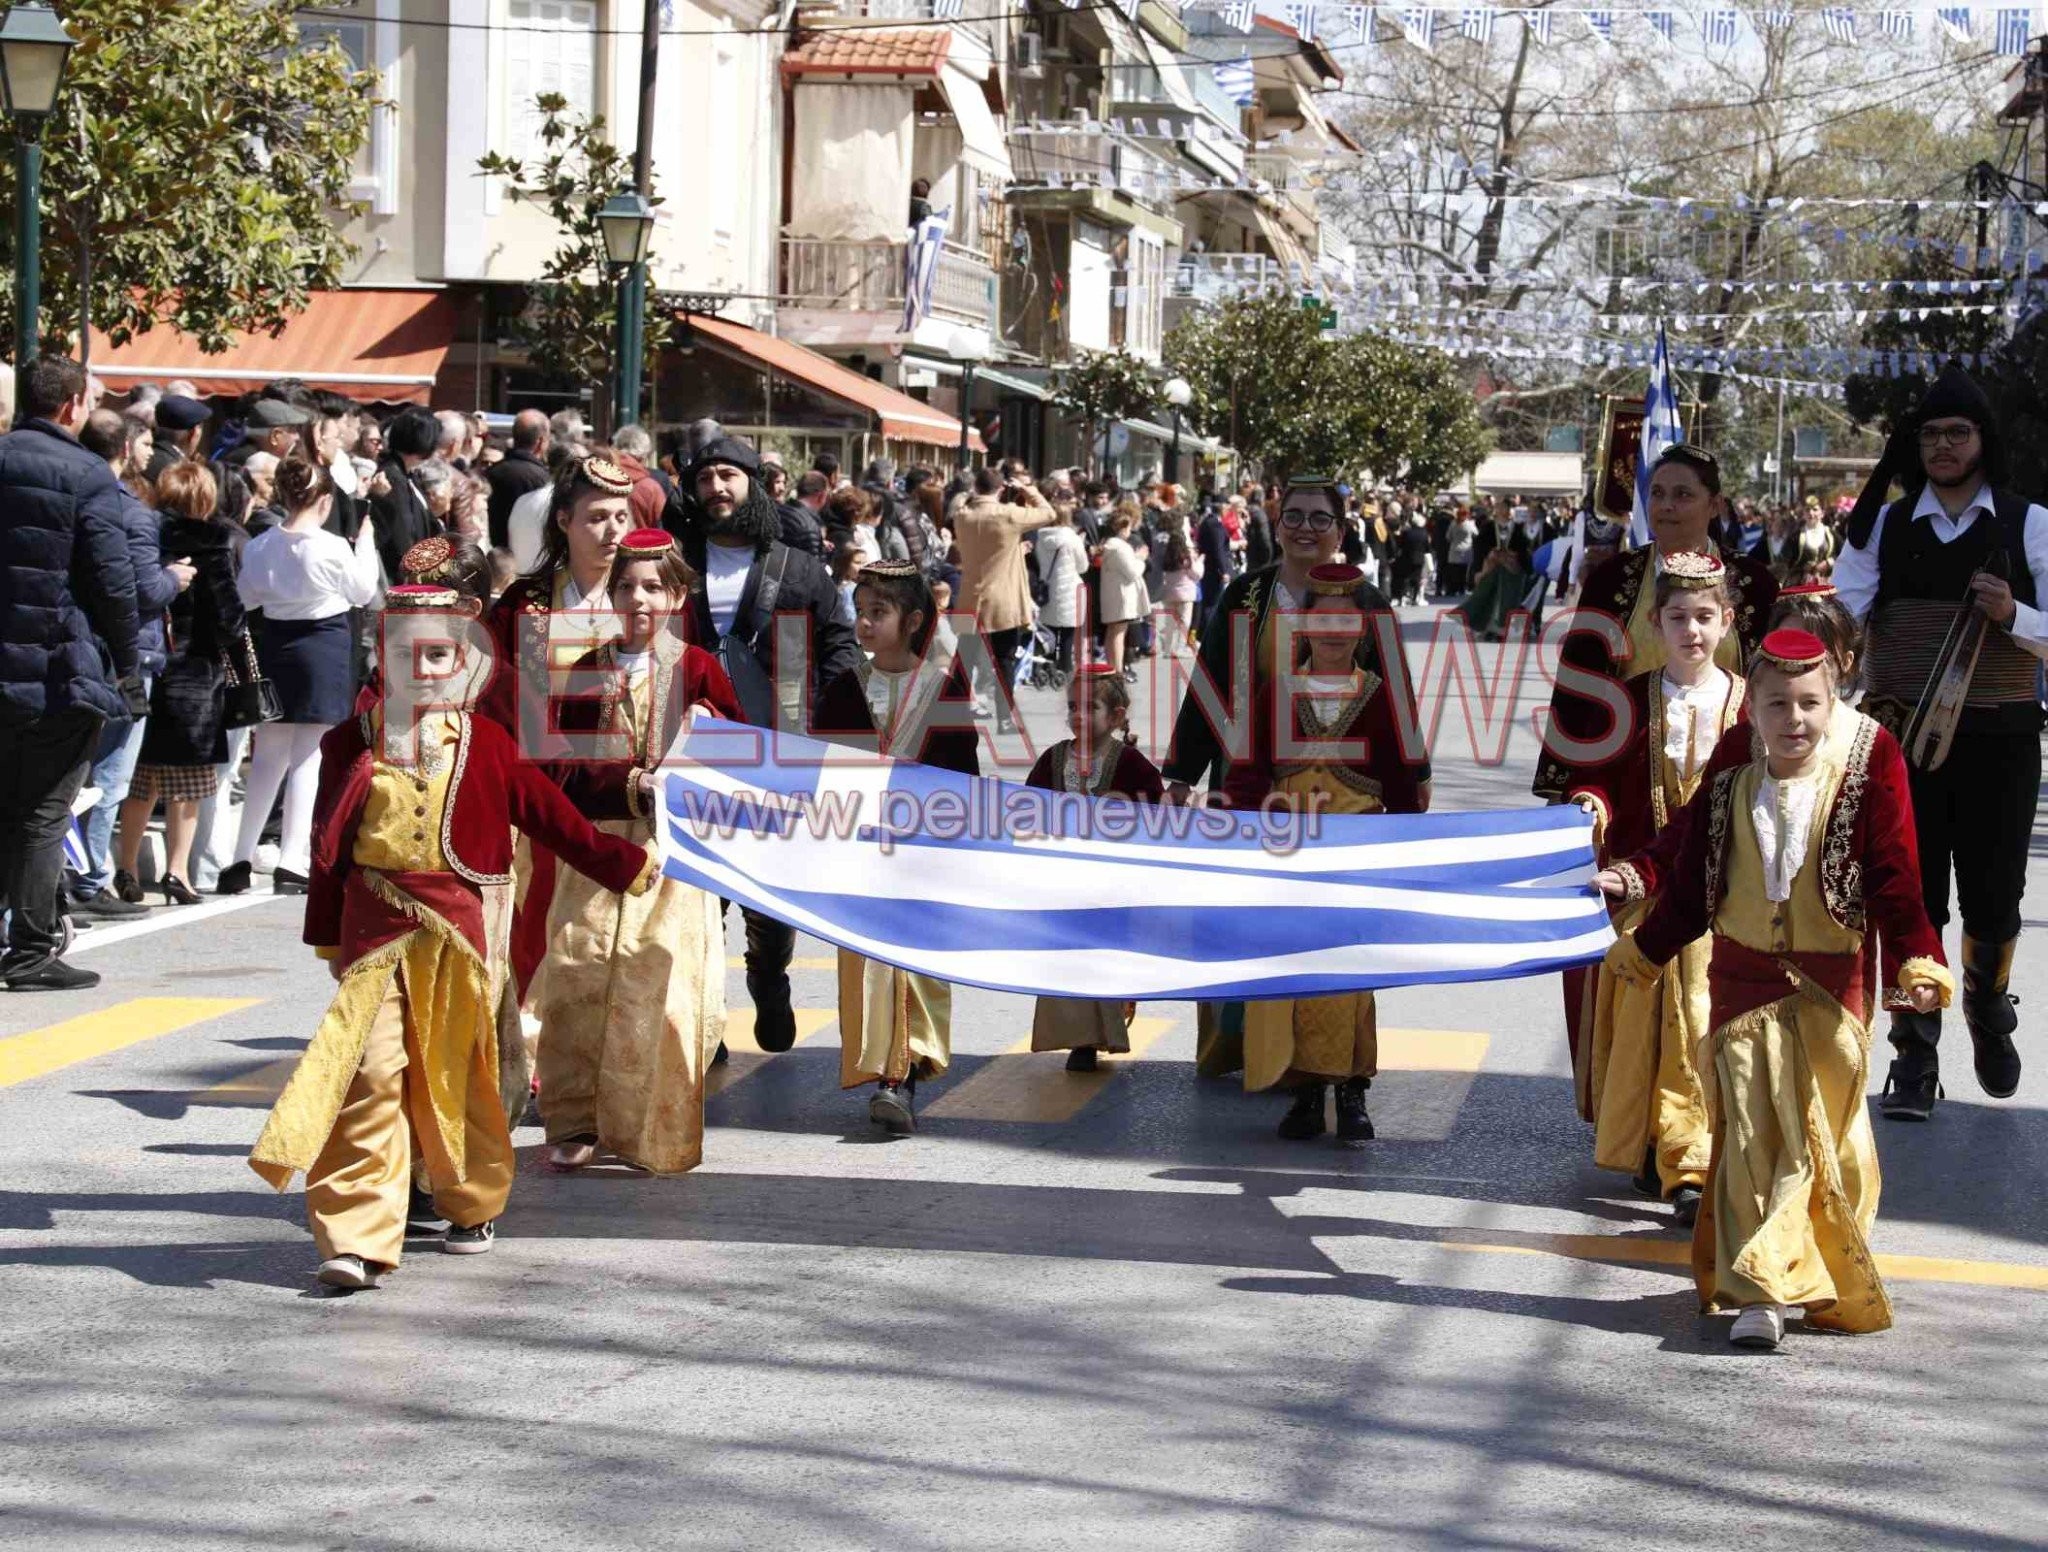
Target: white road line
{"type": "Point", "coordinates": [164, 920]}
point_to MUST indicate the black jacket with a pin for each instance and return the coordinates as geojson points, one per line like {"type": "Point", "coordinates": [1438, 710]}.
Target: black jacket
{"type": "Point", "coordinates": [400, 517]}
{"type": "Point", "coordinates": [1213, 540]}
{"type": "Point", "coordinates": [800, 529]}
{"type": "Point", "coordinates": [803, 587]}
{"type": "Point", "coordinates": [155, 588]}
{"type": "Point", "coordinates": [205, 620]}
{"type": "Point", "coordinates": [67, 584]}
{"type": "Point", "coordinates": [517, 474]}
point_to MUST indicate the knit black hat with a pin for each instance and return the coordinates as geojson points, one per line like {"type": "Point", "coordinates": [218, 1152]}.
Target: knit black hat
{"type": "Point", "coordinates": [728, 450]}
{"type": "Point", "coordinates": [1954, 394]}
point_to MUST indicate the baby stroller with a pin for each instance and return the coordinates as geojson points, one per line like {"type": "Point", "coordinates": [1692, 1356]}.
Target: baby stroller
{"type": "Point", "coordinates": [1038, 665]}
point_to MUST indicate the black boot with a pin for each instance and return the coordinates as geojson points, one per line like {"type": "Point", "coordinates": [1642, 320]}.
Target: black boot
{"type": "Point", "coordinates": [1354, 1126]}
{"type": "Point", "coordinates": [774, 1018]}
{"type": "Point", "coordinates": [1987, 1009]}
{"type": "Point", "coordinates": [1685, 1206]}
{"type": "Point", "coordinates": [1304, 1118]}
{"type": "Point", "coordinates": [1914, 1082]}
{"type": "Point", "coordinates": [1649, 1179]}
{"type": "Point", "coordinates": [1082, 1059]}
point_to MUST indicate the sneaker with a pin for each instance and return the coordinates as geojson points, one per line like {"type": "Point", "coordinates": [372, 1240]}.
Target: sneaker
{"type": "Point", "coordinates": [1082, 1059]}
{"type": "Point", "coordinates": [1685, 1206]}
{"type": "Point", "coordinates": [893, 1107]}
{"type": "Point", "coordinates": [1304, 1118]}
{"type": "Point", "coordinates": [471, 1241]}
{"type": "Point", "coordinates": [1759, 1326]}
{"type": "Point", "coordinates": [421, 1219]}
{"type": "Point", "coordinates": [52, 975]}
{"type": "Point", "coordinates": [108, 906]}
{"type": "Point", "coordinates": [1354, 1126]}
{"type": "Point", "coordinates": [1910, 1089]}
{"type": "Point", "coordinates": [351, 1272]}
{"type": "Point", "coordinates": [233, 880]}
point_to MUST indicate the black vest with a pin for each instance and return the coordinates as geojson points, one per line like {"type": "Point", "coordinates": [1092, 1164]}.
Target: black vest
{"type": "Point", "coordinates": [1913, 563]}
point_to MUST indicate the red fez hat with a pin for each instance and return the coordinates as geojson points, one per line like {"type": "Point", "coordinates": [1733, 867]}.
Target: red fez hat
{"type": "Point", "coordinates": [646, 543]}
{"type": "Point", "coordinates": [1336, 580]}
{"type": "Point", "coordinates": [1792, 651]}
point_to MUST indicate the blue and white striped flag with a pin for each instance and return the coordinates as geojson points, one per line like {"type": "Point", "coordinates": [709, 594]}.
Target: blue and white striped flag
{"type": "Point", "coordinates": [1718, 29]}
{"type": "Point", "coordinates": [1239, 14]}
{"type": "Point", "coordinates": [1896, 24]}
{"type": "Point", "coordinates": [921, 265]}
{"type": "Point", "coordinates": [1538, 23]}
{"type": "Point", "coordinates": [1418, 24]}
{"type": "Point", "coordinates": [1301, 16]}
{"type": "Point", "coordinates": [1476, 22]}
{"type": "Point", "coordinates": [1362, 24]}
{"type": "Point", "coordinates": [1058, 895]}
{"type": "Point", "coordinates": [1661, 428]}
{"type": "Point", "coordinates": [1956, 21]}
{"type": "Point", "coordinates": [1777, 18]}
{"type": "Point", "coordinates": [2015, 27]}
{"type": "Point", "coordinates": [947, 10]}
{"type": "Point", "coordinates": [1602, 23]}
{"type": "Point", "coordinates": [1840, 22]}
{"type": "Point", "coordinates": [1236, 80]}
{"type": "Point", "coordinates": [1660, 23]}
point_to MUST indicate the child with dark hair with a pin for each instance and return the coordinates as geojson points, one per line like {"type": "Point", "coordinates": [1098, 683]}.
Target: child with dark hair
{"type": "Point", "coordinates": [1099, 761]}
{"type": "Point", "coordinates": [905, 702]}
{"type": "Point", "coordinates": [1634, 1076]}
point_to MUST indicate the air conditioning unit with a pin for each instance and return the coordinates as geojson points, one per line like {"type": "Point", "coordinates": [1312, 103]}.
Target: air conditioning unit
{"type": "Point", "coordinates": [1027, 57]}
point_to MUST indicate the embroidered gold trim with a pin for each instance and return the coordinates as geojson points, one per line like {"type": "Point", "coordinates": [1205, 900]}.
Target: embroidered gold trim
{"type": "Point", "coordinates": [1632, 881]}
{"type": "Point", "coordinates": [1841, 873]}
{"type": "Point", "coordinates": [455, 863]}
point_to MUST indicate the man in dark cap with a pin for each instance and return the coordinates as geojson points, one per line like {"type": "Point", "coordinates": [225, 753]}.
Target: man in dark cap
{"type": "Point", "coordinates": [1954, 542]}
{"type": "Point", "coordinates": [744, 577]}
{"type": "Point", "coordinates": [180, 423]}
{"type": "Point", "coordinates": [275, 427]}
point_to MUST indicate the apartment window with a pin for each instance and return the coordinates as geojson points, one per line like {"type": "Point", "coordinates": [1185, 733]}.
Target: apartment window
{"type": "Point", "coordinates": [550, 48]}
{"type": "Point", "coordinates": [354, 39]}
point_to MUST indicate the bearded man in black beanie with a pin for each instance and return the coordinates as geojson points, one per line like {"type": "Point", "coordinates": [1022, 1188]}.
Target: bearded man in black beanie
{"type": "Point", "coordinates": [744, 578]}
{"type": "Point", "coordinates": [1954, 542]}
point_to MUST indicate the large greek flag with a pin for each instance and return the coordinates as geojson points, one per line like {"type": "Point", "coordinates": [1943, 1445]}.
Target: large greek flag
{"type": "Point", "coordinates": [1661, 429]}
{"type": "Point", "coordinates": [988, 883]}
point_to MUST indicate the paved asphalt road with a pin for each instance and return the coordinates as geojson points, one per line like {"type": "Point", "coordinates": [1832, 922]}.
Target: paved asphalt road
{"type": "Point", "coordinates": [1112, 1312]}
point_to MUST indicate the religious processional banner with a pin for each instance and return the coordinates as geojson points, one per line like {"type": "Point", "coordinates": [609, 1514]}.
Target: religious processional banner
{"type": "Point", "coordinates": [990, 883]}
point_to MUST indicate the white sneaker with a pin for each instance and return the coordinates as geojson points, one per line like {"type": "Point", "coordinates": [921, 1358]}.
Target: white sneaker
{"type": "Point", "coordinates": [351, 1272]}
{"type": "Point", "coordinates": [1761, 1326]}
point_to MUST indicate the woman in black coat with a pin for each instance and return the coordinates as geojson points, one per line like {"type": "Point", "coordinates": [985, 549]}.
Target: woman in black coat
{"type": "Point", "coordinates": [186, 736]}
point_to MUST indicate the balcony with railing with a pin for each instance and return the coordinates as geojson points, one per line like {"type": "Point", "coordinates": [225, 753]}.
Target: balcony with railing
{"type": "Point", "coordinates": [822, 276]}
{"type": "Point", "coordinates": [1291, 191]}
{"type": "Point", "coordinates": [1093, 155]}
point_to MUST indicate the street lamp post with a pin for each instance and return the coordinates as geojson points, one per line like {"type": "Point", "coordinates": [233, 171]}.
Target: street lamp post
{"type": "Point", "coordinates": [627, 222]}
{"type": "Point", "coordinates": [34, 49]}
{"type": "Point", "coordinates": [1178, 393]}
{"type": "Point", "coordinates": [970, 348]}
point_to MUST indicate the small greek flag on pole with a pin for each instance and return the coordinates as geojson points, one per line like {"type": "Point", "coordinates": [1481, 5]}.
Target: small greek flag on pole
{"type": "Point", "coordinates": [2015, 26]}
{"type": "Point", "coordinates": [1718, 28]}
{"type": "Point", "coordinates": [1840, 22]}
{"type": "Point", "coordinates": [1476, 22]}
{"type": "Point", "coordinates": [1956, 21]}
{"type": "Point", "coordinates": [1538, 23]}
{"type": "Point", "coordinates": [1235, 80]}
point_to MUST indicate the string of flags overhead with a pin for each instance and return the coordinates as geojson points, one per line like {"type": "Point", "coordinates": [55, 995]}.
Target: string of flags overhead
{"type": "Point", "coordinates": [2009, 27]}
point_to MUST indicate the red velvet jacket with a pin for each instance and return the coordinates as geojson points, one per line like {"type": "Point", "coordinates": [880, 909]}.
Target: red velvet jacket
{"type": "Point", "coordinates": [843, 712]}
{"type": "Point", "coordinates": [1388, 773]}
{"type": "Point", "coordinates": [1625, 787]}
{"type": "Point", "coordinates": [1867, 848]}
{"type": "Point", "coordinates": [608, 789]}
{"type": "Point", "coordinates": [490, 791]}
{"type": "Point", "coordinates": [1133, 776]}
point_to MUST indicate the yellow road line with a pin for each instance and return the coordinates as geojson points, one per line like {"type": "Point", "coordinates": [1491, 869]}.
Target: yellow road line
{"type": "Point", "coordinates": [1021, 1086]}
{"type": "Point", "coordinates": [808, 962]}
{"type": "Point", "coordinates": [1424, 1078]}
{"type": "Point", "coordinates": [1432, 1050]}
{"type": "Point", "coordinates": [1627, 1251]}
{"type": "Point", "coordinates": [744, 1056]}
{"type": "Point", "coordinates": [42, 1051]}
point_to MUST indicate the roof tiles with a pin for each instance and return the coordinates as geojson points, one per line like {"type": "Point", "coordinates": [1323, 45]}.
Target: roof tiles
{"type": "Point", "coordinates": [898, 51]}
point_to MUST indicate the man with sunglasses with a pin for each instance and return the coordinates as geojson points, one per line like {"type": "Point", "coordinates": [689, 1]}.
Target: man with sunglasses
{"type": "Point", "coordinates": [1952, 542]}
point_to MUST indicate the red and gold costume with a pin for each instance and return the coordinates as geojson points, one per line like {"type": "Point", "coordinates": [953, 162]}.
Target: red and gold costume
{"type": "Point", "coordinates": [1789, 877]}
{"type": "Point", "coordinates": [1119, 770]}
{"type": "Point", "coordinates": [1292, 1041]}
{"type": "Point", "coordinates": [403, 851]}
{"type": "Point", "coordinates": [631, 994]}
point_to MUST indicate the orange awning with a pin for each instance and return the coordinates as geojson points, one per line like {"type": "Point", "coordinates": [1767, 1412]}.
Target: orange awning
{"type": "Point", "coordinates": [903, 419]}
{"type": "Point", "coordinates": [369, 345]}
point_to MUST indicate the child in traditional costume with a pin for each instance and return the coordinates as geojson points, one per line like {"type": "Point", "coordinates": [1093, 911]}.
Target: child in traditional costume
{"type": "Point", "coordinates": [909, 702]}
{"type": "Point", "coordinates": [1635, 1077]}
{"type": "Point", "coordinates": [631, 995]}
{"type": "Point", "coordinates": [1790, 862]}
{"type": "Point", "coordinates": [1098, 761]}
{"type": "Point", "coordinates": [412, 824]}
{"type": "Point", "coordinates": [1347, 758]}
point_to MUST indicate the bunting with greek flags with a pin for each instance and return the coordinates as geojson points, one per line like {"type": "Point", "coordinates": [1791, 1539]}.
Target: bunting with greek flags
{"type": "Point", "coordinates": [1660, 23]}
{"type": "Point", "coordinates": [1661, 428]}
{"type": "Point", "coordinates": [1896, 24]}
{"type": "Point", "coordinates": [1538, 23]}
{"type": "Point", "coordinates": [986, 883]}
{"type": "Point", "coordinates": [1956, 21]}
{"type": "Point", "coordinates": [1301, 16]}
{"type": "Point", "coordinates": [1239, 14]}
{"type": "Point", "coordinates": [1602, 24]}
{"type": "Point", "coordinates": [1476, 22]}
{"type": "Point", "coordinates": [2015, 26]}
{"type": "Point", "coordinates": [1418, 26]}
{"type": "Point", "coordinates": [1359, 18]}
{"type": "Point", "coordinates": [1718, 28]}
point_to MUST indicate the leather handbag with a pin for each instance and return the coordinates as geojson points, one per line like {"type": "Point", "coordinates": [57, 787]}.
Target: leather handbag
{"type": "Point", "coordinates": [250, 698]}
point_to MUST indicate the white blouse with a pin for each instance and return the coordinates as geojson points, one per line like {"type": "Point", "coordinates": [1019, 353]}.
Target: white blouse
{"type": "Point", "coordinates": [1783, 814]}
{"type": "Point", "coordinates": [308, 576]}
{"type": "Point", "coordinates": [1692, 720]}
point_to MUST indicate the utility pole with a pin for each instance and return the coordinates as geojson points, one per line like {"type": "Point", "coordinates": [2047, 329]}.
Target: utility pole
{"type": "Point", "coordinates": [633, 292]}
{"type": "Point", "coordinates": [1778, 451]}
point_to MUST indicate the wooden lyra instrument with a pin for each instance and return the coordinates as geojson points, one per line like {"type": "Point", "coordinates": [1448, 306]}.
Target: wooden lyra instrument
{"type": "Point", "coordinates": [1932, 727]}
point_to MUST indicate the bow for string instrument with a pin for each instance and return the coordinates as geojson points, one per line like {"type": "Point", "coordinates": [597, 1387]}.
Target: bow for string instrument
{"type": "Point", "coordinates": [1932, 727]}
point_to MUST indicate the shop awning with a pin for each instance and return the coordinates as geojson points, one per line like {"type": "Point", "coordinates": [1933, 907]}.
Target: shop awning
{"type": "Point", "coordinates": [1024, 387]}
{"type": "Point", "coordinates": [1172, 73]}
{"type": "Point", "coordinates": [377, 346]}
{"type": "Point", "coordinates": [900, 418]}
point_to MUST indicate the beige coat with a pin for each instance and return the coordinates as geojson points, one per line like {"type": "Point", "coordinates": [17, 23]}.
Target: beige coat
{"type": "Point", "coordinates": [1123, 583]}
{"type": "Point", "coordinates": [993, 583]}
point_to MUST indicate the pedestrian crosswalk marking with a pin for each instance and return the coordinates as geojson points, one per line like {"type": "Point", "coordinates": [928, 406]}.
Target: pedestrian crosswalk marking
{"type": "Point", "coordinates": [1023, 1085]}
{"type": "Point", "coordinates": [46, 1050]}
{"type": "Point", "coordinates": [744, 1055]}
{"type": "Point", "coordinates": [802, 962]}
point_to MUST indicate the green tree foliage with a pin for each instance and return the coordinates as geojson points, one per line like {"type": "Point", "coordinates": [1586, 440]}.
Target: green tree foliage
{"type": "Point", "coordinates": [206, 149]}
{"type": "Point", "coordinates": [1102, 386]}
{"type": "Point", "coordinates": [1269, 381]}
{"type": "Point", "coordinates": [570, 324]}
